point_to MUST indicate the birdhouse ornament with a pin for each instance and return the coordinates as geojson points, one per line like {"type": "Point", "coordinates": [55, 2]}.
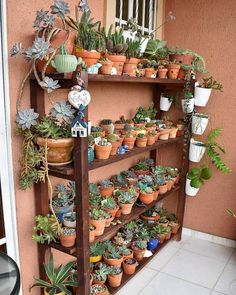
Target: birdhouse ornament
{"type": "Point", "coordinates": [79, 98]}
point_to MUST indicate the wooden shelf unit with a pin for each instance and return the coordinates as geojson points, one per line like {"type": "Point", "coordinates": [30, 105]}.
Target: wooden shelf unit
{"type": "Point", "coordinates": [78, 171]}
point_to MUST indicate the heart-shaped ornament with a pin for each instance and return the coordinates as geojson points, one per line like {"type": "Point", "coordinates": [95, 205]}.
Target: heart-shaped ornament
{"type": "Point", "coordinates": [77, 98]}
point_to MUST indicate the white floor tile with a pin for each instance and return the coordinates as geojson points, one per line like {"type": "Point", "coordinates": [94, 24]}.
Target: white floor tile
{"type": "Point", "coordinates": [164, 284]}
{"type": "Point", "coordinates": [233, 258]}
{"type": "Point", "coordinates": [162, 257]}
{"type": "Point", "coordinates": [227, 277]}
{"type": "Point", "coordinates": [209, 249]}
{"type": "Point", "coordinates": [141, 280]}
{"type": "Point", "coordinates": [217, 293]}
{"type": "Point", "coordinates": [180, 244]}
{"type": "Point", "coordinates": [194, 268]}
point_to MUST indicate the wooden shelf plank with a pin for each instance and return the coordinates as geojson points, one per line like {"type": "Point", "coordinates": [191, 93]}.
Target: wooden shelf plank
{"type": "Point", "coordinates": [112, 230]}
{"type": "Point", "coordinates": [67, 171]}
{"type": "Point", "coordinates": [142, 263]}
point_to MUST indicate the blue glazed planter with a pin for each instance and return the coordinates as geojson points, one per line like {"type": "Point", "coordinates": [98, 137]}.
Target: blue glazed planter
{"type": "Point", "coordinates": [90, 155]}
{"type": "Point", "coordinates": [152, 244]}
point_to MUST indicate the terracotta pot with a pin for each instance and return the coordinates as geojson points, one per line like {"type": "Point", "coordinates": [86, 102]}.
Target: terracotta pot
{"type": "Point", "coordinates": [115, 145]}
{"type": "Point", "coordinates": [61, 38]}
{"type": "Point", "coordinates": [174, 227]}
{"type": "Point", "coordinates": [186, 59]}
{"type": "Point", "coordinates": [102, 152]}
{"type": "Point", "coordinates": [151, 140]}
{"type": "Point", "coordinates": [141, 142]}
{"type": "Point", "coordinates": [181, 74]}
{"type": "Point", "coordinates": [150, 218]}
{"type": "Point", "coordinates": [129, 141]}
{"type": "Point", "coordinates": [112, 211]}
{"type": "Point", "coordinates": [155, 194]}
{"type": "Point", "coordinates": [68, 240]}
{"type": "Point", "coordinates": [59, 150]}
{"type": "Point", "coordinates": [138, 254]}
{"type": "Point", "coordinates": [106, 67]}
{"type": "Point", "coordinates": [100, 226]}
{"type": "Point", "coordinates": [119, 126]}
{"type": "Point", "coordinates": [170, 184]}
{"type": "Point", "coordinates": [130, 67]}
{"type": "Point", "coordinates": [162, 189]}
{"type": "Point", "coordinates": [118, 62]}
{"type": "Point", "coordinates": [91, 279]}
{"type": "Point", "coordinates": [173, 132]}
{"type": "Point", "coordinates": [89, 57]}
{"type": "Point", "coordinates": [92, 235]}
{"type": "Point", "coordinates": [131, 255]}
{"type": "Point", "coordinates": [108, 221]}
{"type": "Point", "coordinates": [165, 224]}
{"type": "Point", "coordinates": [113, 262]}
{"type": "Point", "coordinates": [149, 72]}
{"type": "Point", "coordinates": [126, 208]}
{"type": "Point", "coordinates": [161, 238]}
{"type": "Point", "coordinates": [114, 281]}
{"type": "Point", "coordinates": [98, 282]}
{"type": "Point", "coordinates": [105, 292]}
{"type": "Point", "coordinates": [118, 213]}
{"type": "Point", "coordinates": [168, 236]}
{"type": "Point", "coordinates": [129, 269]}
{"type": "Point", "coordinates": [164, 134]}
{"type": "Point", "coordinates": [177, 179]}
{"type": "Point", "coordinates": [108, 128]}
{"type": "Point", "coordinates": [40, 65]}
{"type": "Point", "coordinates": [146, 198]}
{"type": "Point", "coordinates": [162, 73]}
{"type": "Point", "coordinates": [106, 191]}
{"type": "Point", "coordinates": [173, 71]}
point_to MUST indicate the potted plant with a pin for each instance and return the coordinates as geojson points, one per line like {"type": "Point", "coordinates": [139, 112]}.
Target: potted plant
{"type": "Point", "coordinates": [92, 230]}
{"type": "Point", "coordinates": [164, 132]}
{"type": "Point", "coordinates": [64, 62]}
{"type": "Point", "coordinates": [141, 168]}
{"type": "Point", "coordinates": [129, 140]}
{"type": "Point", "coordinates": [115, 276]}
{"type": "Point", "coordinates": [69, 219]}
{"type": "Point", "coordinates": [199, 123]}
{"type": "Point", "coordinates": [151, 137]}
{"type": "Point", "coordinates": [195, 179]}
{"type": "Point", "coordinates": [130, 176]}
{"type": "Point", "coordinates": [168, 232]}
{"type": "Point", "coordinates": [120, 183]}
{"type": "Point", "coordinates": [67, 237]}
{"type": "Point", "coordinates": [63, 200]}
{"type": "Point", "coordinates": [161, 183]}
{"type": "Point", "coordinates": [166, 101]}
{"type": "Point", "coordinates": [98, 219]}
{"type": "Point", "coordinates": [96, 251]}
{"type": "Point", "coordinates": [180, 124]}
{"type": "Point", "coordinates": [146, 194]}
{"type": "Point", "coordinates": [173, 130]}
{"type": "Point", "coordinates": [116, 47]}
{"type": "Point", "coordinates": [115, 142]}
{"type": "Point", "coordinates": [96, 131]}
{"type": "Point", "coordinates": [203, 91]}
{"type": "Point", "coordinates": [107, 126]}
{"type": "Point", "coordinates": [150, 215]}
{"type": "Point", "coordinates": [151, 69]}
{"type": "Point", "coordinates": [98, 290]}
{"type": "Point", "coordinates": [129, 266]}
{"type": "Point", "coordinates": [196, 150]}
{"type": "Point", "coordinates": [126, 201]}
{"type": "Point", "coordinates": [139, 248]}
{"type": "Point", "coordinates": [160, 232]}
{"type": "Point", "coordinates": [156, 49]}
{"type": "Point", "coordinates": [112, 256]}
{"type": "Point", "coordinates": [173, 223]}
{"type": "Point", "coordinates": [110, 206]}
{"type": "Point", "coordinates": [126, 252]}
{"type": "Point", "coordinates": [173, 70]}
{"type": "Point", "coordinates": [100, 274]}
{"type": "Point", "coordinates": [141, 140]}
{"type": "Point", "coordinates": [102, 149]}
{"type": "Point", "coordinates": [187, 102]}
{"type": "Point", "coordinates": [57, 279]}
{"type": "Point", "coordinates": [106, 66]}
{"type": "Point", "coordinates": [106, 187]}
{"type": "Point", "coordinates": [132, 54]}
{"type": "Point", "coordinates": [120, 124]}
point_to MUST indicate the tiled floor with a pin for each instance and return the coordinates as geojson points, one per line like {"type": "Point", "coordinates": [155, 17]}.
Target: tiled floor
{"type": "Point", "coordinates": [189, 267]}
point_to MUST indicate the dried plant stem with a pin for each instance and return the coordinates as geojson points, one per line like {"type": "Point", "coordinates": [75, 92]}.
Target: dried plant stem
{"type": "Point", "coordinates": [21, 89]}
{"type": "Point", "coordinates": [48, 62]}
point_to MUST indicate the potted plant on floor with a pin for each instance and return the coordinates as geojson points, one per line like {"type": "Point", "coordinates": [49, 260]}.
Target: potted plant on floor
{"type": "Point", "coordinates": [98, 219]}
{"type": "Point", "coordinates": [139, 248]}
{"type": "Point", "coordinates": [102, 149]}
{"type": "Point", "coordinates": [199, 123]}
{"type": "Point", "coordinates": [115, 142]}
{"type": "Point", "coordinates": [126, 201]}
{"type": "Point", "coordinates": [57, 279]}
{"type": "Point", "coordinates": [187, 102]}
{"type": "Point", "coordinates": [106, 187]}
{"type": "Point", "coordinates": [115, 276]}
{"type": "Point", "coordinates": [203, 91]}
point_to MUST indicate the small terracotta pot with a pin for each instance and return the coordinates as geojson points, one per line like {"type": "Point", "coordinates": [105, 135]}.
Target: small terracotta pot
{"type": "Point", "coordinates": [114, 281]}
{"type": "Point", "coordinates": [102, 152]}
{"type": "Point", "coordinates": [106, 191]}
{"type": "Point", "coordinates": [153, 128]}
{"type": "Point", "coordinates": [68, 240]}
{"type": "Point", "coordinates": [118, 62]}
{"type": "Point", "coordinates": [126, 208]}
{"type": "Point", "coordinates": [131, 255]}
{"type": "Point", "coordinates": [150, 218]}
{"type": "Point", "coordinates": [129, 141]}
{"type": "Point", "coordinates": [141, 142]}
{"type": "Point", "coordinates": [98, 282]}
{"type": "Point", "coordinates": [162, 73]}
{"type": "Point", "coordinates": [106, 67]}
{"type": "Point", "coordinates": [170, 184]}
{"type": "Point", "coordinates": [89, 57]}
{"type": "Point", "coordinates": [138, 254]}
{"type": "Point", "coordinates": [92, 235]}
{"type": "Point", "coordinates": [162, 189]}
{"type": "Point", "coordinates": [173, 132]}
{"type": "Point", "coordinates": [112, 211]}
{"type": "Point", "coordinates": [108, 221]}
{"type": "Point", "coordinates": [161, 238]}
{"type": "Point", "coordinates": [40, 65]}
{"type": "Point", "coordinates": [164, 135]}
{"type": "Point", "coordinates": [130, 67]}
{"type": "Point", "coordinates": [168, 236]}
{"type": "Point", "coordinates": [108, 128]}
{"type": "Point", "coordinates": [174, 228]}
{"type": "Point", "coordinates": [129, 269]}
{"type": "Point", "coordinates": [59, 150]}
{"type": "Point", "coordinates": [105, 292]}
{"type": "Point", "coordinates": [173, 71]}
{"type": "Point", "coordinates": [186, 59]}
{"type": "Point", "coordinates": [113, 262]}
{"type": "Point", "coordinates": [181, 74]}
{"type": "Point", "coordinates": [151, 140]}
{"type": "Point", "coordinates": [155, 194]}
{"type": "Point", "coordinates": [118, 213]}
{"type": "Point", "coordinates": [146, 198]}
{"type": "Point", "coordinates": [149, 72]}
{"type": "Point", "coordinates": [100, 226]}
{"type": "Point", "coordinates": [115, 145]}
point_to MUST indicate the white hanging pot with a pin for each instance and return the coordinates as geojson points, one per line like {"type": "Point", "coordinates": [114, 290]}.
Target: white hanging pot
{"type": "Point", "coordinates": [199, 123]}
{"type": "Point", "coordinates": [190, 190]}
{"type": "Point", "coordinates": [165, 104]}
{"type": "Point", "coordinates": [202, 96]}
{"type": "Point", "coordinates": [187, 105]}
{"type": "Point", "coordinates": [196, 151]}
{"type": "Point", "coordinates": [144, 42]}
{"type": "Point", "coordinates": [129, 34]}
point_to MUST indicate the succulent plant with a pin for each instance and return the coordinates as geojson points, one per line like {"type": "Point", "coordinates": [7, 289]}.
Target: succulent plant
{"type": "Point", "coordinates": [26, 118]}
{"type": "Point", "coordinates": [105, 183]}
{"type": "Point", "coordinates": [39, 49]}
{"type": "Point", "coordinates": [63, 111]}
{"type": "Point", "coordinates": [126, 198]}
{"type": "Point", "coordinates": [16, 49]}
{"type": "Point", "coordinates": [112, 137]}
{"type": "Point", "coordinates": [142, 245]}
{"type": "Point", "coordinates": [83, 5]}
{"type": "Point", "coordinates": [43, 20]}
{"type": "Point", "coordinates": [106, 122]}
{"type": "Point", "coordinates": [48, 128]}
{"type": "Point", "coordinates": [98, 214]}
{"type": "Point", "coordinates": [96, 249]}
{"type": "Point", "coordinates": [103, 142]}
{"type": "Point", "coordinates": [115, 41]}
{"type": "Point", "coordinates": [60, 8]}
{"type": "Point", "coordinates": [115, 270]}
{"type": "Point", "coordinates": [112, 252]}
{"type": "Point", "coordinates": [66, 231]}
{"type": "Point", "coordinates": [49, 84]}
{"type": "Point", "coordinates": [93, 189]}
{"type": "Point", "coordinates": [108, 203]}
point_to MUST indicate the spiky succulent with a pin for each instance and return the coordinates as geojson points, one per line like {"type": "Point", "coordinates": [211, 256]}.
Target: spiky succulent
{"type": "Point", "coordinates": [83, 5]}
{"type": "Point", "coordinates": [63, 111]}
{"type": "Point", "coordinates": [16, 49]}
{"type": "Point", "coordinates": [26, 118]}
{"type": "Point", "coordinates": [39, 50]}
{"type": "Point", "coordinates": [60, 8]}
{"type": "Point", "coordinates": [43, 19]}
{"type": "Point", "coordinates": [49, 84]}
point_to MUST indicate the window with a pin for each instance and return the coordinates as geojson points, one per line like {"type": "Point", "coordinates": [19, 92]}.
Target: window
{"type": "Point", "coordinates": [144, 11]}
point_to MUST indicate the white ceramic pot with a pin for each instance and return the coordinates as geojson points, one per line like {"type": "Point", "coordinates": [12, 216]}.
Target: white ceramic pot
{"type": "Point", "coordinates": [189, 190]}
{"type": "Point", "coordinates": [165, 104]}
{"type": "Point", "coordinates": [187, 105]}
{"type": "Point", "coordinates": [144, 42]}
{"type": "Point", "coordinates": [68, 223]}
{"type": "Point", "coordinates": [199, 124]}
{"type": "Point", "coordinates": [196, 151]}
{"type": "Point", "coordinates": [202, 96]}
{"type": "Point", "coordinates": [129, 34]}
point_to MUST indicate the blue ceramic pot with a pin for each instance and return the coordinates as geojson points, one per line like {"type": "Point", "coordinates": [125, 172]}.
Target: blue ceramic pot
{"type": "Point", "coordinates": [90, 155]}
{"type": "Point", "coordinates": [152, 244]}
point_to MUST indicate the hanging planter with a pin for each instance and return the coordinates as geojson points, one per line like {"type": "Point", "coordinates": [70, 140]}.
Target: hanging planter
{"type": "Point", "coordinates": [187, 105]}
{"type": "Point", "coordinates": [165, 102]}
{"type": "Point", "coordinates": [190, 190]}
{"type": "Point", "coordinates": [196, 151]}
{"type": "Point", "coordinates": [199, 123]}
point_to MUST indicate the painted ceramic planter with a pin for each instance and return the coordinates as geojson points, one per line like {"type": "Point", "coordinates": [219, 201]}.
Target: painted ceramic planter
{"type": "Point", "coordinates": [199, 123]}
{"type": "Point", "coordinates": [187, 105]}
{"type": "Point", "coordinates": [65, 63]}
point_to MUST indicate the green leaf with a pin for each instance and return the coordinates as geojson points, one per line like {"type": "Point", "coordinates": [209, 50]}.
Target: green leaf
{"type": "Point", "coordinates": [206, 173]}
{"type": "Point", "coordinates": [196, 183]}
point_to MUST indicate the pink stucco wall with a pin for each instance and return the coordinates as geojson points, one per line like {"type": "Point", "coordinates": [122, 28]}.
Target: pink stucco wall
{"type": "Point", "coordinates": [209, 28]}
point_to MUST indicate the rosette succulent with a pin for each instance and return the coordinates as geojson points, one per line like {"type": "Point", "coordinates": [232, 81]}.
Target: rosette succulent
{"type": "Point", "coordinates": [26, 118]}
